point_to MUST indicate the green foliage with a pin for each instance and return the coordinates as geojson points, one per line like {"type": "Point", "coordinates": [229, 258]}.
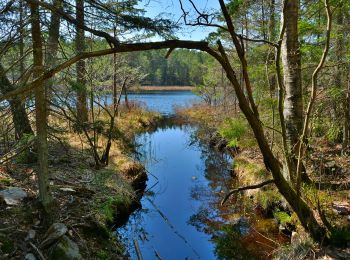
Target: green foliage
{"type": "Point", "coordinates": [319, 127]}
{"type": "Point", "coordinates": [99, 126]}
{"type": "Point", "coordinates": [268, 198]}
{"type": "Point", "coordinates": [102, 255]}
{"type": "Point", "coordinates": [77, 86]}
{"type": "Point", "coordinates": [282, 217]}
{"type": "Point", "coordinates": [232, 130]}
{"type": "Point", "coordinates": [183, 67]}
{"type": "Point", "coordinates": [334, 133]}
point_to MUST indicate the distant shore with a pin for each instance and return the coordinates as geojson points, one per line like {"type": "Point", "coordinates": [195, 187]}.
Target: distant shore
{"type": "Point", "coordinates": [161, 88]}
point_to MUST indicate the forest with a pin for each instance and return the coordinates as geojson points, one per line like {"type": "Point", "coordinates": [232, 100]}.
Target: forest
{"type": "Point", "coordinates": [180, 129]}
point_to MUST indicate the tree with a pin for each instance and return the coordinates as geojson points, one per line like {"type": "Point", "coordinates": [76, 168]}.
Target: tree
{"type": "Point", "coordinates": [244, 92]}
{"type": "Point", "coordinates": [82, 109]}
{"type": "Point", "coordinates": [293, 102]}
{"type": "Point", "coordinates": [18, 111]}
{"type": "Point", "coordinates": [17, 104]}
{"type": "Point", "coordinates": [40, 109]}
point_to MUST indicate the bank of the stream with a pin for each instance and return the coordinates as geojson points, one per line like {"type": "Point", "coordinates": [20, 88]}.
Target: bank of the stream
{"type": "Point", "coordinates": [88, 203]}
{"type": "Point", "coordinates": [227, 131]}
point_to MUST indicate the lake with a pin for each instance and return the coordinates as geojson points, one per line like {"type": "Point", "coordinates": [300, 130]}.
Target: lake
{"type": "Point", "coordinates": [164, 101]}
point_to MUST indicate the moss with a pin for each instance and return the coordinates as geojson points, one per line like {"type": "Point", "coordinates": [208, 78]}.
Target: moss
{"type": "Point", "coordinates": [65, 249]}
{"type": "Point", "coordinates": [112, 204]}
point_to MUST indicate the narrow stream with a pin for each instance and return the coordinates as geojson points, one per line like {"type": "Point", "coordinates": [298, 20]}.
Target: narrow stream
{"type": "Point", "coordinates": [181, 216]}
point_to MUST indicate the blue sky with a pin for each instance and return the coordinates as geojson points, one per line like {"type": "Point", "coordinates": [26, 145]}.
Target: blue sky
{"type": "Point", "coordinates": [171, 9]}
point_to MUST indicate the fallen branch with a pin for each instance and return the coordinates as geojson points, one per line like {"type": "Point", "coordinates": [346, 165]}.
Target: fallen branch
{"type": "Point", "coordinates": [255, 186]}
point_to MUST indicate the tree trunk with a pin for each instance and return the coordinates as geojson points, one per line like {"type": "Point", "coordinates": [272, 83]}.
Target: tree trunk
{"type": "Point", "coordinates": [293, 103]}
{"type": "Point", "coordinates": [52, 47]}
{"type": "Point", "coordinates": [346, 135]}
{"type": "Point", "coordinates": [40, 110]}
{"type": "Point", "coordinates": [339, 76]}
{"type": "Point", "coordinates": [303, 211]}
{"type": "Point", "coordinates": [82, 109]}
{"type": "Point", "coordinates": [18, 111]}
{"type": "Point", "coordinates": [17, 106]}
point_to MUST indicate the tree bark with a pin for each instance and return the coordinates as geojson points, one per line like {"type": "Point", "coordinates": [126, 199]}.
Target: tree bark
{"type": "Point", "coordinates": [346, 135]}
{"type": "Point", "coordinates": [40, 110]}
{"type": "Point", "coordinates": [52, 47]}
{"type": "Point", "coordinates": [291, 60]}
{"type": "Point", "coordinates": [82, 108]}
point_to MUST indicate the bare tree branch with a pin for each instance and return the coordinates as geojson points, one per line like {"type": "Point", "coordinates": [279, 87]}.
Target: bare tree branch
{"type": "Point", "coordinates": [250, 187]}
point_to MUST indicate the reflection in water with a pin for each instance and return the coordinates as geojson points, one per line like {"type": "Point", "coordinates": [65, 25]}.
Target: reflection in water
{"type": "Point", "coordinates": [181, 216]}
{"type": "Point", "coordinates": [176, 173]}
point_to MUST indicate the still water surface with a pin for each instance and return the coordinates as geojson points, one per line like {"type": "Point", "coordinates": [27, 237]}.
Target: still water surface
{"type": "Point", "coordinates": [178, 190]}
{"type": "Point", "coordinates": [164, 101]}
{"type": "Point", "coordinates": [181, 216]}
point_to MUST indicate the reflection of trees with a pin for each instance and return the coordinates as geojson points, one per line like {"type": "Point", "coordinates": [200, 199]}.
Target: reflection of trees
{"type": "Point", "coordinates": [211, 217]}
{"type": "Point", "coordinates": [228, 244]}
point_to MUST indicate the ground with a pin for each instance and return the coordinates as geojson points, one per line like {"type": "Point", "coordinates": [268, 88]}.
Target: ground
{"type": "Point", "coordinates": [90, 202]}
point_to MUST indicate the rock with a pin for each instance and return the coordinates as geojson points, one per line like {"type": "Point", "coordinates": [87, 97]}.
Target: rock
{"type": "Point", "coordinates": [65, 249]}
{"type": "Point", "coordinates": [13, 195]}
{"type": "Point", "coordinates": [55, 232]}
{"type": "Point", "coordinates": [30, 256]}
{"type": "Point", "coordinates": [31, 234]}
{"type": "Point", "coordinates": [343, 208]}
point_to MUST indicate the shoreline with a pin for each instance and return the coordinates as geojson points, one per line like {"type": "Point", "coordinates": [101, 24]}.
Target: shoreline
{"type": "Point", "coordinates": [161, 88]}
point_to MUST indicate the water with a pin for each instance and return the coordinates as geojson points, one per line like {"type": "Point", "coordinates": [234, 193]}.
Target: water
{"type": "Point", "coordinates": [181, 216]}
{"type": "Point", "coordinates": [164, 101]}
{"type": "Point", "coordinates": [179, 175]}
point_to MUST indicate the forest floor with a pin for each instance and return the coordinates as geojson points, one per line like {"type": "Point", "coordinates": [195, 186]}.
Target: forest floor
{"type": "Point", "coordinates": [90, 203]}
{"type": "Point", "coordinates": [328, 164]}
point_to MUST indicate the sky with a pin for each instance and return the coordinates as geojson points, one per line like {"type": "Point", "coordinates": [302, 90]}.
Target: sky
{"type": "Point", "coordinates": [171, 8]}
